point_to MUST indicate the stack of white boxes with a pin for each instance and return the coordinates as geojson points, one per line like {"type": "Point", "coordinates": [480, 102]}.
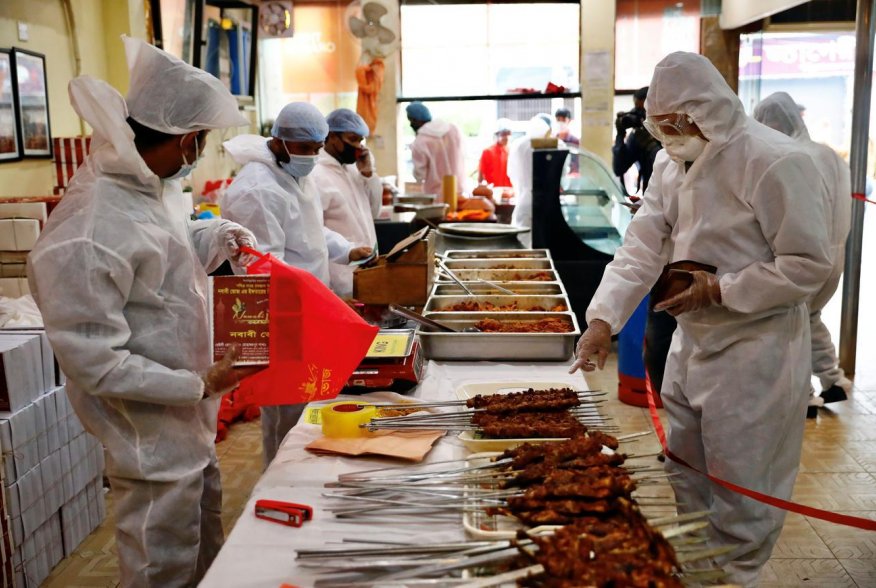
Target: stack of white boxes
{"type": "Point", "coordinates": [52, 470]}
{"type": "Point", "coordinates": [20, 226]}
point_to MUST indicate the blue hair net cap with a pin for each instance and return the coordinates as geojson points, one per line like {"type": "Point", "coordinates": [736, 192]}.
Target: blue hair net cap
{"type": "Point", "coordinates": [344, 120]}
{"type": "Point", "coordinates": [299, 122]}
{"type": "Point", "coordinates": [418, 111]}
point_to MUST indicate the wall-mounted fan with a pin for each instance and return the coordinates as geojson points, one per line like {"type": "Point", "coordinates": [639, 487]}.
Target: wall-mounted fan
{"type": "Point", "coordinates": [371, 23]}
{"type": "Point", "coordinates": [275, 18]}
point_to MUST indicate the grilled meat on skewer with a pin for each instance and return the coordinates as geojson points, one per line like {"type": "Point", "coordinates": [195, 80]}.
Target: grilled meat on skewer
{"type": "Point", "coordinates": [530, 400]}
{"type": "Point", "coordinates": [529, 425]}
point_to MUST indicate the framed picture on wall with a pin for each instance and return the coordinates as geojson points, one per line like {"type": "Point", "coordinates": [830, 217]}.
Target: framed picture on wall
{"type": "Point", "coordinates": [9, 147]}
{"type": "Point", "coordinates": [35, 136]}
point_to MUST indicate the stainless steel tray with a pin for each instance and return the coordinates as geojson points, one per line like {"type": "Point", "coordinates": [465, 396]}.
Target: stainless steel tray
{"type": "Point", "coordinates": [498, 253]}
{"type": "Point", "coordinates": [524, 303]}
{"type": "Point", "coordinates": [498, 346]}
{"type": "Point", "coordinates": [499, 275]}
{"type": "Point", "coordinates": [499, 263]}
{"type": "Point", "coordinates": [519, 288]}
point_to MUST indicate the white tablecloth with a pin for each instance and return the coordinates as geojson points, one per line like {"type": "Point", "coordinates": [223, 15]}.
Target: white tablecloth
{"type": "Point", "coordinates": [259, 553]}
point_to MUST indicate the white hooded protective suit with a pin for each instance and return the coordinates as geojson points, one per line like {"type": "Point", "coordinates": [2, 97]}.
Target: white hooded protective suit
{"type": "Point", "coordinates": [285, 215]}
{"type": "Point", "coordinates": [780, 112]}
{"type": "Point", "coordinates": [119, 276]}
{"type": "Point", "coordinates": [350, 203]}
{"type": "Point", "coordinates": [283, 212]}
{"type": "Point", "coordinates": [737, 376]}
{"type": "Point", "coordinates": [437, 152]}
{"type": "Point", "coordinates": [520, 170]}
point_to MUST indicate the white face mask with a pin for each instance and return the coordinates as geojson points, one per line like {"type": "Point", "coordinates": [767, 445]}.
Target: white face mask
{"type": "Point", "coordinates": [684, 147]}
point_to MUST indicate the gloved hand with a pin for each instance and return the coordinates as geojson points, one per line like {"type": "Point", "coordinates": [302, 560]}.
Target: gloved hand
{"type": "Point", "coordinates": [359, 253]}
{"type": "Point", "coordinates": [596, 340]}
{"type": "Point", "coordinates": [234, 237]}
{"type": "Point", "coordinates": [363, 162]}
{"type": "Point", "coordinates": [703, 292]}
{"type": "Point", "coordinates": [223, 377]}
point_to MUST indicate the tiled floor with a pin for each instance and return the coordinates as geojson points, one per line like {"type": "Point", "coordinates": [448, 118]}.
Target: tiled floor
{"type": "Point", "coordinates": [94, 563]}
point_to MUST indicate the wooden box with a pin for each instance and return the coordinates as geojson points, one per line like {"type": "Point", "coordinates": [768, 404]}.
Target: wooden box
{"type": "Point", "coordinates": [403, 276]}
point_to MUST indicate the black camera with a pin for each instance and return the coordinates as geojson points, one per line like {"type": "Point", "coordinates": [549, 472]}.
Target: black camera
{"type": "Point", "coordinates": [629, 120]}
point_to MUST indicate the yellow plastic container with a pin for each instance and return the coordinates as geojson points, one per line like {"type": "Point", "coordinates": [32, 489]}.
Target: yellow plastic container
{"type": "Point", "coordinates": [448, 191]}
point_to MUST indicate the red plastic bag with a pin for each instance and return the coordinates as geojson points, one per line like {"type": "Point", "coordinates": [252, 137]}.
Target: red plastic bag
{"type": "Point", "coordinates": [316, 340]}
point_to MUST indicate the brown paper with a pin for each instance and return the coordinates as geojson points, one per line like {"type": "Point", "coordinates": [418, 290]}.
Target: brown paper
{"type": "Point", "coordinates": [410, 445]}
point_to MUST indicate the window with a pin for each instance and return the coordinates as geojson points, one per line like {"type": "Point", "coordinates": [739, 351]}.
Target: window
{"type": "Point", "coordinates": [474, 55]}
{"type": "Point", "coordinates": [648, 30]}
{"type": "Point", "coordinates": [483, 49]}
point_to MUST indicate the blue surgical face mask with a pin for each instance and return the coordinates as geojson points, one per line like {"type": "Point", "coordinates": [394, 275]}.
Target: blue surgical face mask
{"type": "Point", "coordinates": [298, 166]}
{"type": "Point", "coordinates": [187, 168]}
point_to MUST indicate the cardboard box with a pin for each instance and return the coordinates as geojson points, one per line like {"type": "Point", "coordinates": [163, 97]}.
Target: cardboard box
{"type": "Point", "coordinates": [42, 436]}
{"type": "Point", "coordinates": [32, 210]}
{"type": "Point", "coordinates": [27, 231]}
{"type": "Point", "coordinates": [18, 234]}
{"type": "Point", "coordinates": [13, 270]}
{"type": "Point", "coordinates": [18, 438]}
{"type": "Point", "coordinates": [26, 500]}
{"type": "Point", "coordinates": [48, 356]}
{"type": "Point", "coordinates": [52, 485]}
{"type": "Point", "coordinates": [21, 372]}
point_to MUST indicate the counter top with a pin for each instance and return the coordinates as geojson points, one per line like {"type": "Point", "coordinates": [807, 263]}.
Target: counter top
{"type": "Point", "coordinates": [259, 553]}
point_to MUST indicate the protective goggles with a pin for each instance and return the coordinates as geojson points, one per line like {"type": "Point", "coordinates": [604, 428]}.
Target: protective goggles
{"type": "Point", "coordinates": [673, 125]}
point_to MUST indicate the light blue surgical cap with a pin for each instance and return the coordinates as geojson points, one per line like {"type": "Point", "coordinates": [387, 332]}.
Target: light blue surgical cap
{"type": "Point", "coordinates": [418, 111]}
{"type": "Point", "coordinates": [299, 122]}
{"type": "Point", "coordinates": [344, 120]}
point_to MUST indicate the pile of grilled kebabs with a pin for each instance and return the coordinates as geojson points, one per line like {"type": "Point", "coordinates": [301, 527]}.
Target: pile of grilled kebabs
{"type": "Point", "coordinates": [532, 414]}
{"type": "Point", "coordinates": [573, 501]}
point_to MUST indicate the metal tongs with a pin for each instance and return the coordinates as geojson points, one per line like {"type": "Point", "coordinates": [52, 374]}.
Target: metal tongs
{"type": "Point", "coordinates": [453, 277]}
{"type": "Point", "coordinates": [416, 316]}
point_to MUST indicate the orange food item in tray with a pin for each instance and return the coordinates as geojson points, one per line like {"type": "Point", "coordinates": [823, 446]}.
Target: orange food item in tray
{"type": "Point", "coordinates": [472, 306]}
{"type": "Point", "coordinates": [545, 325]}
{"type": "Point", "coordinates": [469, 215]}
{"type": "Point", "coordinates": [529, 277]}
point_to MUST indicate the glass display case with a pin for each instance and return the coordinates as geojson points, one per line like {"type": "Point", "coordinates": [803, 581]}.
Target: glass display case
{"type": "Point", "coordinates": [578, 213]}
{"type": "Point", "coordinates": [592, 202]}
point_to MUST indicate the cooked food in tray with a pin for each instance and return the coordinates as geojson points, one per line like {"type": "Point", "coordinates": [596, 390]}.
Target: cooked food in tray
{"type": "Point", "coordinates": [547, 414]}
{"type": "Point", "coordinates": [544, 325]}
{"type": "Point", "coordinates": [474, 306]}
{"type": "Point", "coordinates": [526, 277]}
{"type": "Point", "coordinates": [529, 425]}
{"type": "Point", "coordinates": [527, 400]}
{"type": "Point", "coordinates": [621, 550]}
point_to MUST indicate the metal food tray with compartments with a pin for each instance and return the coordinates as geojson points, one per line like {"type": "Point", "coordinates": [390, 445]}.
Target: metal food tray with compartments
{"type": "Point", "coordinates": [483, 289]}
{"type": "Point", "coordinates": [499, 263]}
{"type": "Point", "coordinates": [497, 253]}
{"type": "Point", "coordinates": [498, 346]}
{"type": "Point", "coordinates": [440, 304]}
{"type": "Point", "coordinates": [500, 275]}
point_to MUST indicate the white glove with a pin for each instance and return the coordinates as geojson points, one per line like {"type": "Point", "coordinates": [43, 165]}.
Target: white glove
{"type": "Point", "coordinates": [596, 340]}
{"type": "Point", "coordinates": [234, 237]}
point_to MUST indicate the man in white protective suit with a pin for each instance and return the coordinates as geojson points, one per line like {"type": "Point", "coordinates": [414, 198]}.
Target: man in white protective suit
{"type": "Point", "coordinates": [520, 168]}
{"type": "Point", "coordinates": [273, 196]}
{"type": "Point", "coordinates": [120, 276]}
{"type": "Point", "coordinates": [779, 111]}
{"type": "Point", "coordinates": [436, 151]}
{"type": "Point", "coordinates": [731, 193]}
{"type": "Point", "coordinates": [349, 189]}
